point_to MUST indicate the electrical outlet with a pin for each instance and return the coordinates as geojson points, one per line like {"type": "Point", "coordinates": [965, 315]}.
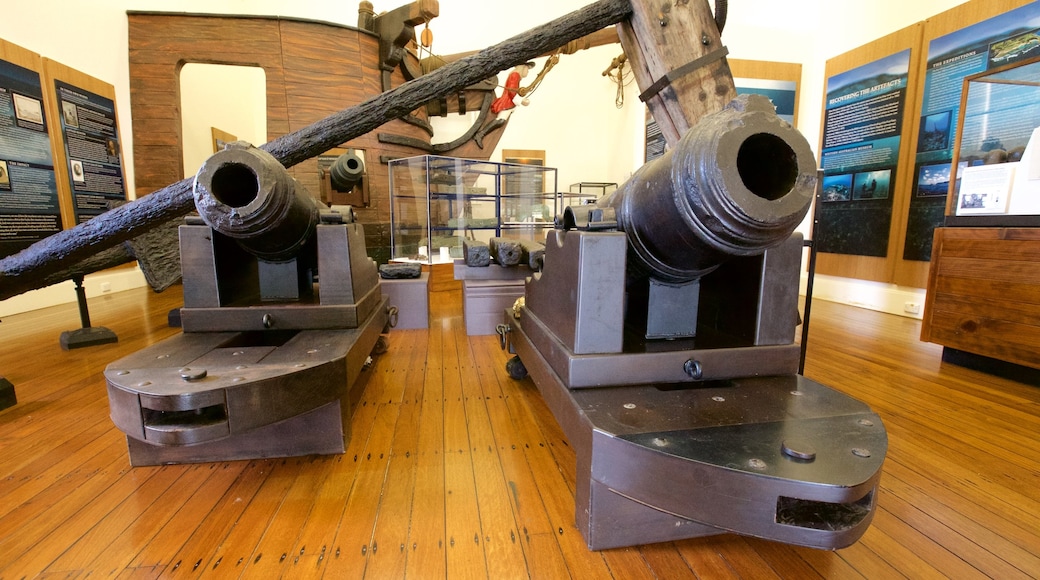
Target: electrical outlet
{"type": "Point", "coordinates": [912, 308]}
{"type": "Point", "coordinates": [106, 287]}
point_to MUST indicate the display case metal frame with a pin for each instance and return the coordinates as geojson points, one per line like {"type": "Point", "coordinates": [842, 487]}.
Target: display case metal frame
{"type": "Point", "coordinates": [438, 190]}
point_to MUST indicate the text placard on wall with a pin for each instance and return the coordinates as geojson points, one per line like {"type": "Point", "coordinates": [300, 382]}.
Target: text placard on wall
{"type": "Point", "coordinates": [29, 205]}
{"type": "Point", "coordinates": [862, 134]}
{"type": "Point", "coordinates": [863, 143]}
{"type": "Point", "coordinates": [994, 42]}
{"type": "Point", "coordinates": [90, 139]}
{"type": "Point", "coordinates": [868, 124]}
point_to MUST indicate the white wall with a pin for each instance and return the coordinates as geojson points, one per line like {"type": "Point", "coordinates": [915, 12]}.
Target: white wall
{"type": "Point", "coordinates": [572, 117]}
{"type": "Point", "coordinates": [230, 98]}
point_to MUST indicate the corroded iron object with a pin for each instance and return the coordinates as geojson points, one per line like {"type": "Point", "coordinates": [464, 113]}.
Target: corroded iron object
{"type": "Point", "coordinates": [476, 253]}
{"type": "Point", "coordinates": [532, 254]}
{"type": "Point", "coordinates": [505, 251]}
{"type": "Point", "coordinates": [739, 182]}
{"type": "Point", "coordinates": [245, 194]}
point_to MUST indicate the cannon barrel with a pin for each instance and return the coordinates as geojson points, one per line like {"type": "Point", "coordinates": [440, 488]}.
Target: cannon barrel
{"type": "Point", "coordinates": [347, 171]}
{"type": "Point", "coordinates": [738, 183]}
{"type": "Point", "coordinates": [245, 193]}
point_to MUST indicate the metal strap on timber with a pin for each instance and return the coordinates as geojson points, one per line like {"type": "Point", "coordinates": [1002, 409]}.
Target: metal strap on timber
{"type": "Point", "coordinates": [660, 39]}
{"type": "Point", "coordinates": [697, 63]}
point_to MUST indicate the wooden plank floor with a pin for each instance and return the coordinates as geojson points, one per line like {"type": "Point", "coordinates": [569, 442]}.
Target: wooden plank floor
{"type": "Point", "coordinates": [455, 470]}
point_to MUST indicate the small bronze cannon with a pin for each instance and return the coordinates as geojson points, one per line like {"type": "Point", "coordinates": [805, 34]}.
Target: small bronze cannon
{"type": "Point", "coordinates": [347, 171]}
{"type": "Point", "coordinates": [281, 308]}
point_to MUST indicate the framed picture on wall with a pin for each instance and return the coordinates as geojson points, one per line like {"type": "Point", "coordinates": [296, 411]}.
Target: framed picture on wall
{"type": "Point", "coordinates": [524, 156]}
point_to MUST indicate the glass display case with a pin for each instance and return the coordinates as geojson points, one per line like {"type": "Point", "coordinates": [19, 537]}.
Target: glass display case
{"type": "Point", "coordinates": [585, 192]}
{"type": "Point", "coordinates": [438, 202]}
{"type": "Point", "coordinates": [999, 114]}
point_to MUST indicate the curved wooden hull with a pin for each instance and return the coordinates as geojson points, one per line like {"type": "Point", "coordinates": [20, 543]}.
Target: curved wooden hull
{"type": "Point", "coordinates": [312, 69]}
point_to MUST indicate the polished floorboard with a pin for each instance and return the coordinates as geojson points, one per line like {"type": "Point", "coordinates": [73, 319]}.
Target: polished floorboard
{"type": "Point", "coordinates": [455, 470]}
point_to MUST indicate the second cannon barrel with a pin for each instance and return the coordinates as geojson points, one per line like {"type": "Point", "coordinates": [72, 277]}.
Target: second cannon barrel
{"type": "Point", "coordinates": [739, 182]}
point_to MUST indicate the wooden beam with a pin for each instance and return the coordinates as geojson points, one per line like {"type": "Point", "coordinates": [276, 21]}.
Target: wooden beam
{"type": "Point", "coordinates": [21, 272]}
{"type": "Point", "coordinates": [677, 49]}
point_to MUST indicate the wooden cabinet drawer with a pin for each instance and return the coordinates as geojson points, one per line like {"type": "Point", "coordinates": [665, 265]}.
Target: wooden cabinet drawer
{"type": "Point", "coordinates": [984, 293]}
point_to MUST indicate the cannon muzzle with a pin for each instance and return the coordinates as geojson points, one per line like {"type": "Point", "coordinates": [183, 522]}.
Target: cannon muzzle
{"type": "Point", "coordinates": [347, 171]}
{"type": "Point", "coordinates": [738, 183]}
{"type": "Point", "coordinates": [245, 194]}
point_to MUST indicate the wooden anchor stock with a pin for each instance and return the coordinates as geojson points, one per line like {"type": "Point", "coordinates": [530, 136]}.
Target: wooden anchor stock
{"type": "Point", "coordinates": [658, 49]}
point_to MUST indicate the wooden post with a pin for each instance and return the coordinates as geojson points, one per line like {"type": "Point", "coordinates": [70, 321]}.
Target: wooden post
{"type": "Point", "coordinates": [678, 45]}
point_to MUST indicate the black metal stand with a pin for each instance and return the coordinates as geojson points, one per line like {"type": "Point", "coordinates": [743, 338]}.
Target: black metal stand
{"type": "Point", "coordinates": [88, 335]}
{"type": "Point", "coordinates": [7, 398]}
{"type": "Point", "coordinates": [809, 243]}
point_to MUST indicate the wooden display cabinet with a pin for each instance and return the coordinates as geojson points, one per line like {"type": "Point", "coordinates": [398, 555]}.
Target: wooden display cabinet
{"type": "Point", "coordinates": [984, 293]}
{"type": "Point", "coordinates": [983, 301]}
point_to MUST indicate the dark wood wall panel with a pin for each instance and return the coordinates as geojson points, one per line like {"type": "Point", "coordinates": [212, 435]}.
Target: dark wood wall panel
{"type": "Point", "coordinates": [370, 69]}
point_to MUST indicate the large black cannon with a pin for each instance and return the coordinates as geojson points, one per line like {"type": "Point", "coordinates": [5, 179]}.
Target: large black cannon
{"type": "Point", "coordinates": [282, 306]}
{"type": "Point", "coordinates": [660, 331]}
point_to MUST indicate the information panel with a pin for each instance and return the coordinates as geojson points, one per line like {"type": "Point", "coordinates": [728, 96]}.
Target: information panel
{"type": "Point", "coordinates": [783, 94]}
{"type": "Point", "coordinates": [29, 209]}
{"type": "Point", "coordinates": [654, 143]}
{"type": "Point", "coordinates": [863, 121]}
{"type": "Point", "coordinates": [998, 41]}
{"type": "Point", "coordinates": [90, 139]}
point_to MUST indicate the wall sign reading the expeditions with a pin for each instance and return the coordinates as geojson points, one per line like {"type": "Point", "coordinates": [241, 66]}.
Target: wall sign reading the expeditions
{"type": "Point", "coordinates": [860, 154]}
{"type": "Point", "coordinates": [29, 209]}
{"type": "Point", "coordinates": [992, 43]}
{"type": "Point", "coordinates": [91, 145]}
